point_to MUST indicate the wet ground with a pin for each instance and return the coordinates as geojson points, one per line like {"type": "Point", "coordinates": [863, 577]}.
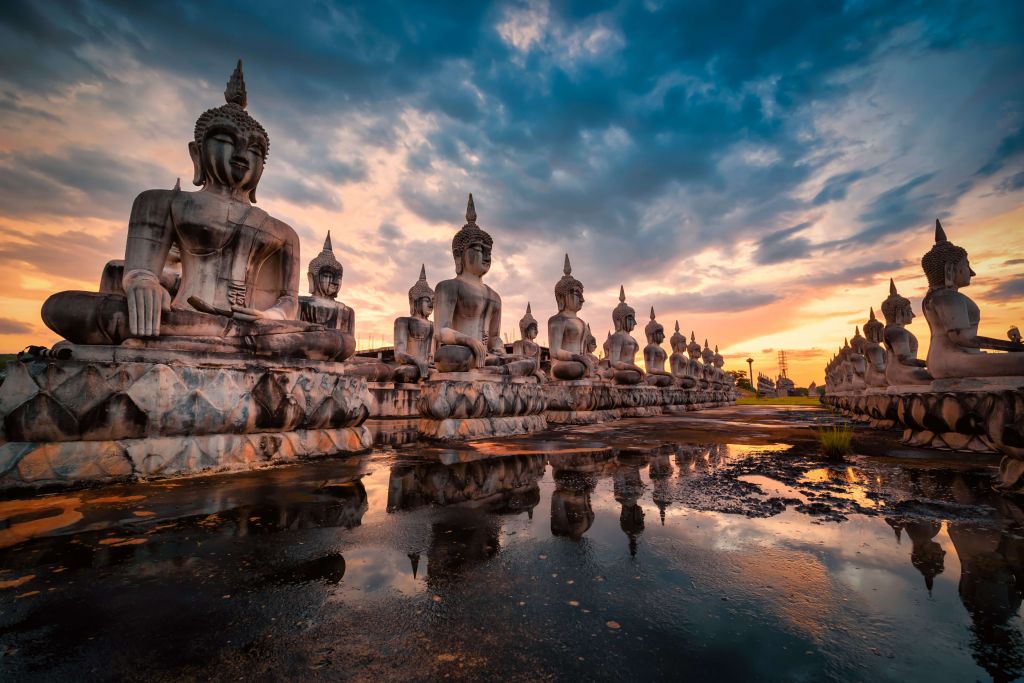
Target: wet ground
{"type": "Point", "coordinates": [717, 545]}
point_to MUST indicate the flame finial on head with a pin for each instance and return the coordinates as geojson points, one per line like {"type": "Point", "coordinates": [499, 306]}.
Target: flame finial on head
{"type": "Point", "coordinates": [567, 268]}
{"type": "Point", "coordinates": [420, 290]}
{"type": "Point", "coordinates": [234, 92]}
{"type": "Point", "coordinates": [470, 210]}
{"type": "Point", "coordinates": [940, 234]}
{"type": "Point", "coordinates": [565, 284]}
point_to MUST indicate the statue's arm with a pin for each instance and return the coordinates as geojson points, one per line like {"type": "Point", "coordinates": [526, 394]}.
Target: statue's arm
{"type": "Point", "coordinates": [401, 342]}
{"type": "Point", "coordinates": [556, 328]}
{"type": "Point", "coordinates": [350, 318]}
{"type": "Point", "coordinates": [494, 343]}
{"type": "Point", "coordinates": [150, 233]}
{"type": "Point", "coordinates": [968, 340]}
{"type": "Point", "coordinates": [287, 305]}
{"type": "Point", "coordinates": [901, 349]}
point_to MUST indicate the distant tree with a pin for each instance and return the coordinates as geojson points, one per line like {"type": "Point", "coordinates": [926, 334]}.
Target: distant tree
{"type": "Point", "coordinates": [741, 379]}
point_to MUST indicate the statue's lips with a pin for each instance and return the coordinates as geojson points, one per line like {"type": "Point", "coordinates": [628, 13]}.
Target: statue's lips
{"type": "Point", "coordinates": [244, 165]}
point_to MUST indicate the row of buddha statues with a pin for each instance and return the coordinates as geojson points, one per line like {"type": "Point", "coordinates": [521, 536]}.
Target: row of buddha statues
{"type": "Point", "coordinates": [210, 272]}
{"type": "Point", "coordinates": [887, 355]}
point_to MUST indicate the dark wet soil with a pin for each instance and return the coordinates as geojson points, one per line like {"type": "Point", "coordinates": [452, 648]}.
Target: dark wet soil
{"type": "Point", "coordinates": [717, 545]}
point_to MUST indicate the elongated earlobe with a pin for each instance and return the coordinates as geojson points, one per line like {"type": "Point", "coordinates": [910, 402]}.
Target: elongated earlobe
{"type": "Point", "coordinates": [198, 177]}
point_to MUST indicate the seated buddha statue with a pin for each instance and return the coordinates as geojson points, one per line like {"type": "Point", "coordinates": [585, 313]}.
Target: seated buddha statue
{"type": "Point", "coordinates": [724, 378]}
{"type": "Point", "coordinates": [589, 346]}
{"type": "Point", "coordinates": [696, 367]}
{"type": "Point", "coordinates": [707, 357]}
{"type": "Point", "coordinates": [622, 347]}
{"type": "Point", "coordinates": [874, 354]}
{"type": "Point", "coordinates": [654, 355]}
{"type": "Point", "coordinates": [679, 363]}
{"type": "Point", "coordinates": [567, 333]}
{"type": "Point", "coordinates": [414, 335]}
{"type": "Point", "coordinates": [467, 319]}
{"type": "Point", "coordinates": [238, 290]}
{"type": "Point", "coordinates": [956, 348]}
{"type": "Point", "coordinates": [321, 306]}
{"type": "Point", "coordinates": [858, 362]}
{"type": "Point", "coordinates": [902, 366]}
{"type": "Point", "coordinates": [525, 346]}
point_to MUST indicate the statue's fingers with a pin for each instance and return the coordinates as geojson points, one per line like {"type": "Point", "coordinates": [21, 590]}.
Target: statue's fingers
{"type": "Point", "coordinates": [165, 300]}
{"type": "Point", "coordinates": [147, 312]}
{"type": "Point", "coordinates": [133, 313]}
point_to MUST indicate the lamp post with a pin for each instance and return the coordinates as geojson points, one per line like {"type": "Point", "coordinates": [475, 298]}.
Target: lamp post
{"type": "Point", "coordinates": [750, 366]}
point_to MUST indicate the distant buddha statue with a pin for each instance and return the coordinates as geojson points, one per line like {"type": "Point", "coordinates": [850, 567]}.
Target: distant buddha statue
{"type": "Point", "coordinates": [321, 306]}
{"type": "Point", "coordinates": [654, 355]}
{"type": "Point", "coordinates": [858, 363]}
{"type": "Point", "coordinates": [525, 347]}
{"type": "Point", "coordinates": [724, 378]}
{"type": "Point", "coordinates": [590, 345]}
{"type": "Point", "coordinates": [902, 366]}
{"type": "Point", "coordinates": [956, 347]}
{"type": "Point", "coordinates": [622, 347]}
{"type": "Point", "coordinates": [239, 266]}
{"type": "Point", "coordinates": [696, 367]}
{"type": "Point", "coordinates": [679, 363]}
{"type": "Point", "coordinates": [707, 357]}
{"type": "Point", "coordinates": [414, 335]}
{"type": "Point", "coordinates": [467, 320]}
{"type": "Point", "coordinates": [874, 354]}
{"type": "Point", "coordinates": [567, 333]}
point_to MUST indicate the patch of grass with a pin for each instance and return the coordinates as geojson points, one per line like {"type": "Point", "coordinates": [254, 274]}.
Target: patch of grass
{"type": "Point", "coordinates": [835, 441]}
{"type": "Point", "coordinates": [786, 401]}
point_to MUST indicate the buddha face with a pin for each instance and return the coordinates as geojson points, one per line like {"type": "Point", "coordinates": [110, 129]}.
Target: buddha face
{"type": "Point", "coordinates": [328, 282]}
{"type": "Point", "coordinates": [628, 323]}
{"type": "Point", "coordinates": [531, 332]}
{"type": "Point", "coordinates": [573, 300]}
{"type": "Point", "coordinates": [424, 306]}
{"type": "Point", "coordinates": [476, 259]}
{"type": "Point", "coordinates": [658, 336]}
{"type": "Point", "coordinates": [230, 157]}
{"type": "Point", "coordinates": [960, 273]}
{"type": "Point", "coordinates": [904, 314]}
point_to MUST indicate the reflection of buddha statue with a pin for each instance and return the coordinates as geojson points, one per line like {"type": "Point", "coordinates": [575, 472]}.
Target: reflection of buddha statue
{"type": "Point", "coordinates": [321, 307]}
{"type": "Point", "coordinates": [622, 347]}
{"type": "Point", "coordinates": [858, 363]}
{"type": "Point", "coordinates": [572, 513]}
{"type": "Point", "coordinates": [566, 332]}
{"type": "Point", "coordinates": [679, 363]}
{"type": "Point", "coordinates": [654, 355]}
{"type": "Point", "coordinates": [927, 555]}
{"type": "Point", "coordinates": [874, 354]}
{"type": "Point", "coordinates": [956, 347]}
{"type": "Point", "coordinates": [467, 320]}
{"type": "Point", "coordinates": [525, 347]}
{"type": "Point", "coordinates": [239, 265]}
{"type": "Point", "coordinates": [627, 488]}
{"type": "Point", "coordinates": [902, 366]}
{"type": "Point", "coordinates": [414, 335]}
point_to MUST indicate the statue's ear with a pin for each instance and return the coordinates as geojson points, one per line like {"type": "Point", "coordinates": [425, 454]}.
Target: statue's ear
{"type": "Point", "coordinates": [252, 195]}
{"type": "Point", "coordinates": [198, 177]}
{"type": "Point", "coordinates": [948, 274]}
{"type": "Point", "coordinates": [312, 284]}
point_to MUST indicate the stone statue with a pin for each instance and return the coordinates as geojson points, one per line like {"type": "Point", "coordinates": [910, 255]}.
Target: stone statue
{"type": "Point", "coordinates": [467, 320]}
{"type": "Point", "coordinates": [622, 347]}
{"type": "Point", "coordinates": [679, 363]}
{"type": "Point", "coordinates": [525, 347]}
{"type": "Point", "coordinates": [239, 265]}
{"type": "Point", "coordinates": [696, 367]}
{"type": "Point", "coordinates": [858, 363]}
{"type": "Point", "coordinates": [321, 306]}
{"type": "Point", "coordinates": [874, 354]}
{"type": "Point", "coordinates": [707, 356]}
{"type": "Point", "coordinates": [956, 347]}
{"type": "Point", "coordinates": [724, 378]}
{"type": "Point", "coordinates": [654, 355]}
{"type": "Point", "coordinates": [902, 366]}
{"type": "Point", "coordinates": [567, 333]}
{"type": "Point", "coordinates": [414, 335]}
{"type": "Point", "coordinates": [588, 351]}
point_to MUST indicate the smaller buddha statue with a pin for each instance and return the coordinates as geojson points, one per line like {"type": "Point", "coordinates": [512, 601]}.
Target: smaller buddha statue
{"type": "Point", "coordinates": [588, 351]}
{"type": "Point", "coordinates": [467, 320]}
{"type": "Point", "coordinates": [525, 347]}
{"type": "Point", "coordinates": [874, 354]}
{"type": "Point", "coordinates": [679, 363]}
{"type": "Point", "coordinates": [724, 378]}
{"type": "Point", "coordinates": [622, 348]}
{"type": "Point", "coordinates": [956, 347]}
{"type": "Point", "coordinates": [858, 363]}
{"type": "Point", "coordinates": [654, 355]}
{"type": "Point", "coordinates": [707, 357]}
{"type": "Point", "coordinates": [321, 307]}
{"type": "Point", "coordinates": [696, 367]}
{"type": "Point", "coordinates": [566, 332]}
{"type": "Point", "coordinates": [414, 335]}
{"type": "Point", "coordinates": [902, 366]}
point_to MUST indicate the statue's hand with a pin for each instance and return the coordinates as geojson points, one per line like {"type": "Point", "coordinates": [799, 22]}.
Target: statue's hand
{"type": "Point", "coordinates": [247, 314]}
{"type": "Point", "coordinates": [146, 299]}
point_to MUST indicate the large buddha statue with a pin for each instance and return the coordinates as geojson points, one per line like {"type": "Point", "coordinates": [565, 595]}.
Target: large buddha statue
{"type": "Point", "coordinates": [239, 266]}
{"type": "Point", "coordinates": [414, 335]}
{"type": "Point", "coordinates": [567, 333]}
{"type": "Point", "coordinates": [622, 347]}
{"type": "Point", "coordinates": [654, 355]}
{"type": "Point", "coordinates": [467, 320]}
{"type": "Point", "coordinates": [902, 366]}
{"type": "Point", "coordinates": [956, 347]}
{"type": "Point", "coordinates": [679, 363]}
{"type": "Point", "coordinates": [321, 306]}
{"type": "Point", "coordinates": [724, 378]}
{"type": "Point", "coordinates": [874, 354]}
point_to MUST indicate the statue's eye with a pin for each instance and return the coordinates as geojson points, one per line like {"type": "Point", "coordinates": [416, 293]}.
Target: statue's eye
{"type": "Point", "coordinates": [224, 138]}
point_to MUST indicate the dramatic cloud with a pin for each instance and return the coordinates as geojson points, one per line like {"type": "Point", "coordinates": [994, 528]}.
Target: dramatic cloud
{"type": "Point", "coordinates": [8, 326]}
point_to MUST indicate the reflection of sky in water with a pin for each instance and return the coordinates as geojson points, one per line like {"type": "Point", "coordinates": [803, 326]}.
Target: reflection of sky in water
{"type": "Point", "coordinates": [540, 559]}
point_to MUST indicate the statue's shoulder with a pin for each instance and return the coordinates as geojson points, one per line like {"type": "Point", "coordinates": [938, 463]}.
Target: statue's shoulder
{"type": "Point", "coordinates": [450, 285]}
{"type": "Point", "coordinates": [154, 199]}
{"type": "Point", "coordinates": [275, 225]}
{"type": "Point", "coordinates": [491, 294]}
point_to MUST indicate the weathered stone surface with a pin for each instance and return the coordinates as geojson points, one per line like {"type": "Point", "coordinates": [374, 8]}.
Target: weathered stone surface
{"type": "Point", "coordinates": [390, 399]}
{"type": "Point", "coordinates": [470, 395]}
{"type": "Point", "coordinates": [480, 427]}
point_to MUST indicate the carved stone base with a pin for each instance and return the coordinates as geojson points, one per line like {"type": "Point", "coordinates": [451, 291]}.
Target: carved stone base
{"type": "Point", "coordinates": [480, 427]}
{"type": "Point", "coordinates": [642, 411]}
{"type": "Point", "coordinates": [394, 400]}
{"type": "Point", "coordinates": [79, 462]}
{"type": "Point", "coordinates": [582, 417]}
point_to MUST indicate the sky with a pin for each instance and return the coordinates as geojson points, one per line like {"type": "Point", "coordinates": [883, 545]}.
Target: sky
{"type": "Point", "coordinates": [756, 171]}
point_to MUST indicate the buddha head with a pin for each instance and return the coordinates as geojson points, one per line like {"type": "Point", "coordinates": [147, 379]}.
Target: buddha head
{"type": "Point", "coordinates": [654, 332]}
{"type": "Point", "coordinates": [693, 348]}
{"type": "Point", "coordinates": [607, 346]}
{"type": "Point", "coordinates": [624, 317]}
{"type": "Point", "coordinates": [719, 358]}
{"type": "Point", "coordinates": [678, 341]}
{"type": "Point", "coordinates": [945, 264]}
{"type": "Point", "coordinates": [706, 354]}
{"type": "Point", "coordinates": [471, 246]}
{"type": "Point", "coordinates": [590, 343]}
{"type": "Point", "coordinates": [873, 329]}
{"type": "Point", "coordinates": [325, 272]}
{"type": "Point", "coordinates": [421, 296]}
{"type": "Point", "coordinates": [528, 324]}
{"type": "Point", "coordinates": [229, 146]}
{"type": "Point", "coordinates": [568, 290]}
{"type": "Point", "coordinates": [857, 342]}
{"type": "Point", "coordinates": [896, 308]}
